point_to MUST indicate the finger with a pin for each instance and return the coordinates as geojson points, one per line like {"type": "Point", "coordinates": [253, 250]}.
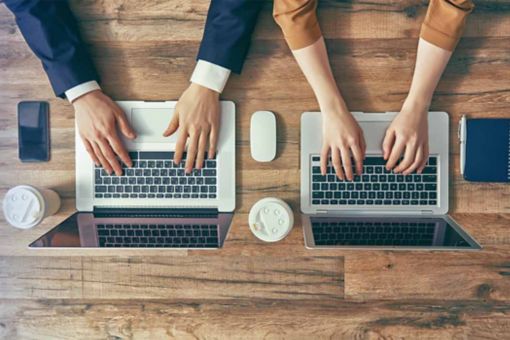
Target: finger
{"type": "Point", "coordinates": [425, 158]}
{"type": "Point", "coordinates": [409, 157]}
{"type": "Point", "coordinates": [358, 157]}
{"type": "Point", "coordinates": [213, 140]}
{"type": "Point", "coordinates": [337, 163]}
{"type": "Point", "coordinates": [396, 150]}
{"type": "Point", "coordinates": [124, 125]}
{"type": "Point", "coordinates": [388, 142]}
{"type": "Point", "coordinates": [191, 153]}
{"type": "Point", "coordinates": [173, 126]}
{"type": "Point", "coordinates": [347, 163]}
{"type": "Point", "coordinates": [90, 151]}
{"type": "Point", "coordinates": [102, 159]}
{"type": "Point", "coordinates": [202, 144]}
{"type": "Point", "coordinates": [363, 145]}
{"type": "Point", "coordinates": [418, 160]}
{"type": "Point", "coordinates": [120, 150]}
{"type": "Point", "coordinates": [110, 156]}
{"type": "Point", "coordinates": [324, 159]}
{"type": "Point", "coordinates": [179, 146]}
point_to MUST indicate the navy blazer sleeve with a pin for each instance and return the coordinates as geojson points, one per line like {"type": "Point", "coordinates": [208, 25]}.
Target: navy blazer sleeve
{"type": "Point", "coordinates": [227, 32]}
{"type": "Point", "coordinates": [51, 32]}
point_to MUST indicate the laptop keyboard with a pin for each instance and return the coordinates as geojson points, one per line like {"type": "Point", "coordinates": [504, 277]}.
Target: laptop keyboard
{"type": "Point", "coordinates": [158, 235]}
{"type": "Point", "coordinates": [373, 233]}
{"type": "Point", "coordinates": [155, 175]}
{"type": "Point", "coordinates": [376, 186]}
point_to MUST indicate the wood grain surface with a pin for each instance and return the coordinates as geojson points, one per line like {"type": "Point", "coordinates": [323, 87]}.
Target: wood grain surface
{"type": "Point", "coordinates": [145, 50]}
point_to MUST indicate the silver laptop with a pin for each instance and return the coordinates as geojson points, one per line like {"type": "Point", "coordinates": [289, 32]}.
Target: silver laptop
{"type": "Point", "coordinates": [379, 209]}
{"type": "Point", "coordinates": [154, 204]}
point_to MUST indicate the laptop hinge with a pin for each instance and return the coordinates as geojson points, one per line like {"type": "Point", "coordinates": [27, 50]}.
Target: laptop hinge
{"type": "Point", "coordinates": [321, 211]}
{"type": "Point", "coordinates": [155, 212]}
{"type": "Point", "coordinates": [426, 212]}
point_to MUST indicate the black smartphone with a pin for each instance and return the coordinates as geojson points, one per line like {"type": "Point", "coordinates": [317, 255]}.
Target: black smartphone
{"type": "Point", "coordinates": [33, 131]}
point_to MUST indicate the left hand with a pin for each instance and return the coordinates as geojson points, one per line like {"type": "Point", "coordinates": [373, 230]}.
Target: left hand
{"type": "Point", "coordinates": [408, 136]}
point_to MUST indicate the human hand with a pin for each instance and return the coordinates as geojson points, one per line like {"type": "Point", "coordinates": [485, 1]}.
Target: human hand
{"type": "Point", "coordinates": [97, 118]}
{"type": "Point", "coordinates": [197, 117]}
{"type": "Point", "coordinates": [407, 135]}
{"type": "Point", "coordinates": [343, 138]}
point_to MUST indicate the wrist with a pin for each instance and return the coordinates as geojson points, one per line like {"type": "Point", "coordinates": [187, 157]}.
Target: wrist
{"type": "Point", "coordinates": [86, 96]}
{"type": "Point", "coordinates": [202, 90]}
{"type": "Point", "coordinates": [333, 106]}
{"type": "Point", "coordinates": [417, 101]}
{"type": "Point", "coordinates": [415, 107]}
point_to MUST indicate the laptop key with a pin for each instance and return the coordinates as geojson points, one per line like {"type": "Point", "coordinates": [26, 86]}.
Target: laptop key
{"type": "Point", "coordinates": [431, 187]}
{"type": "Point", "coordinates": [100, 188]}
{"type": "Point", "coordinates": [209, 172]}
{"type": "Point", "coordinates": [210, 180]}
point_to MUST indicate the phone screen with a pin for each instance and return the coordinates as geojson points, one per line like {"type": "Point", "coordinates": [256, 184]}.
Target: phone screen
{"type": "Point", "coordinates": [33, 134]}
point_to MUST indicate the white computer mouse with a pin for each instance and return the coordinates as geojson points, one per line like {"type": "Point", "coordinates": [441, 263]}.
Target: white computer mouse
{"type": "Point", "coordinates": [263, 136]}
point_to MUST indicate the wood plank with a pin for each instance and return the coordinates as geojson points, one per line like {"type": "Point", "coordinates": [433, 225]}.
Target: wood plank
{"type": "Point", "coordinates": [429, 275]}
{"type": "Point", "coordinates": [157, 277]}
{"type": "Point", "coordinates": [180, 20]}
{"type": "Point", "coordinates": [252, 319]}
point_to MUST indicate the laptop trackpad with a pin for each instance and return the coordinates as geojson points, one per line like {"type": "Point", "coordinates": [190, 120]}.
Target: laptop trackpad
{"type": "Point", "coordinates": [150, 124]}
{"type": "Point", "coordinates": [374, 132]}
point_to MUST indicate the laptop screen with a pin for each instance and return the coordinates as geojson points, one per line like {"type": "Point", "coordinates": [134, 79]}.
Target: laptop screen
{"type": "Point", "coordinates": [389, 232]}
{"type": "Point", "coordinates": [89, 230]}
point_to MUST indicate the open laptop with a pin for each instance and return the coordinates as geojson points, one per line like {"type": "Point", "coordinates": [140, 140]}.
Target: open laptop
{"type": "Point", "coordinates": [379, 209]}
{"type": "Point", "coordinates": [154, 204]}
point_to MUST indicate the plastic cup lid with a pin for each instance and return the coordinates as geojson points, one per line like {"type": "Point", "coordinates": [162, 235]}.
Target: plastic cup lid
{"type": "Point", "coordinates": [270, 219]}
{"type": "Point", "coordinates": [23, 207]}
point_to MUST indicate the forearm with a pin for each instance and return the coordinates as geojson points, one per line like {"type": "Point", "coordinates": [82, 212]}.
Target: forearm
{"type": "Point", "coordinates": [313, 61]}
{"type": "Point", "coordinates": [227, 33]}
{"type": "Point", "coordinates": [431, 61]}
{"type": "Point", "coordinates": [51, 32]}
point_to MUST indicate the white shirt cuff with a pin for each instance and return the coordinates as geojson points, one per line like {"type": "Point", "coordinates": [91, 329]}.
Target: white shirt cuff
{"type": "Point", "coordinates": [210, 75]}
{"type": "Point", "coordinates": [79, 90]}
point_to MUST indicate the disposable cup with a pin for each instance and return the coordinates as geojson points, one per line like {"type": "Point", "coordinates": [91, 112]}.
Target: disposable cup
{"type": "Point", "coordinates": [26, 206]}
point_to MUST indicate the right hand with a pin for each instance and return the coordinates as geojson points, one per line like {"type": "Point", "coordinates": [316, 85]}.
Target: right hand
{"type": "Point", "coordinates": [97, 118]}
{"type": "Point", "coordinates": [342, 137]}
{"type": "Point", "coordinates": [197, 118]}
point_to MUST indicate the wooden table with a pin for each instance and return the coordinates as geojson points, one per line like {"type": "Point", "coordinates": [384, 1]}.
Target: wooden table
{"type": "Point", "coordinates": [249, 289]}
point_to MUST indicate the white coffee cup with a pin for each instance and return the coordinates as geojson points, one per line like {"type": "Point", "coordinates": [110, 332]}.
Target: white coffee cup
{"type": "Point", "coordinates": [271, 219]}
{"type": "Point", "coordinates": [26, 206]}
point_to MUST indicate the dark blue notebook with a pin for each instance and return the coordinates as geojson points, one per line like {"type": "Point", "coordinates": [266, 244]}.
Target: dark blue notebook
{"type": "Point", "coordinates": [487, 150]}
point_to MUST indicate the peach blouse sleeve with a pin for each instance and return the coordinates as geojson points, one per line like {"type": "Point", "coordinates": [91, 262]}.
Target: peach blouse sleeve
{"type": "Point", "coordinates": [298, 21]}
{"type": "Point", "coordinates": [445, 21]}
